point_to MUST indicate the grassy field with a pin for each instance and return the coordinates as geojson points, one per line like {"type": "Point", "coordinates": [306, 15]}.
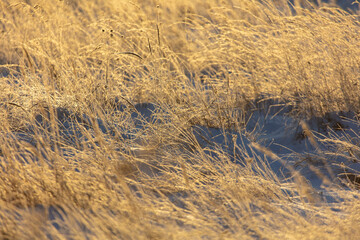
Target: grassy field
{"type": "Point", "coordinates": [141, 120]}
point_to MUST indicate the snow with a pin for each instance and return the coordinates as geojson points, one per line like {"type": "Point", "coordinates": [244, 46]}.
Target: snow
{"type": "Point", "coordinates": [274, 130]}
{"type": "Point", "coordinates": [282, 134]}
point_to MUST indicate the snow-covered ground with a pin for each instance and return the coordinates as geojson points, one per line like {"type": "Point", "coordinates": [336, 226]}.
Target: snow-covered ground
{"type": "Point", "coordinates": [318, 148]}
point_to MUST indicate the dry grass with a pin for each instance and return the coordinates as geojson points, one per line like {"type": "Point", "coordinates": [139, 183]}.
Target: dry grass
{"type": "Point", "coordinates": [76, 165]}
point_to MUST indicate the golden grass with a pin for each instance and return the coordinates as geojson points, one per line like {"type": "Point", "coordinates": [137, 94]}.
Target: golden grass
{"type": "Point", "coordinates": [67, 65]}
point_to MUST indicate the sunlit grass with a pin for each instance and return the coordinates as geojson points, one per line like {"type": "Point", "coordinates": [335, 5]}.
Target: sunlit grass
{"type": "Point", "coordinates": [81, 157]}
